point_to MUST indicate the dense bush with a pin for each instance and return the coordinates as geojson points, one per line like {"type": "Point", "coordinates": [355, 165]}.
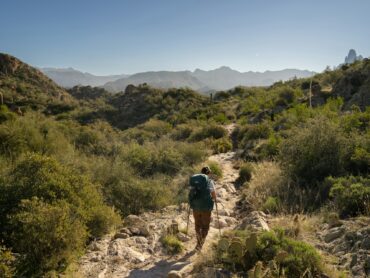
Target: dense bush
{"type": "Point", "coordinates": [253, 132]}
{"type": "Point", "coordinates": [48, 236]}
{"type": "Point", "coordinates": [216, 170]}
{"type": "Point", "coordinates": [43, 177]}
{"type": "Point", "coordinates": [245, 173]}
{"type": "Point", "coordinates": [182, 132]}
{"type": "Point", "coordinates": [133, 196]}
{"type": "Point", "coordinates": [312, 153]}
{"type": "Point", "coordinates": [209, 131]}
{"type": "Point", "coordinates": [351, 195]}
{"type": "Point", "coordinates": [6, 263]}
{"type": "Point", "coordinates": [268, 149]}
{"type": "Point", "coordinates": [5, 114]}
{"type": "Point", "coordinates": [165, 157]}
{"type": "Point", "coordinates": [222, 145]}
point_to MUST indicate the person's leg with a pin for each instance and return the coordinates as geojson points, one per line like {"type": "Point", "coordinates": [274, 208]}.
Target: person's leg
{"type": "Point", "coordinates": [206, 220]}
{"type": "Point", "coordinates": [197, 220]}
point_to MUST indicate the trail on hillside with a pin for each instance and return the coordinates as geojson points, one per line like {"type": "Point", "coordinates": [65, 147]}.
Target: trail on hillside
{"type": "Point", "coordinates": [143, 256]}
{"type": "Point", "coordinates": [139, 253]}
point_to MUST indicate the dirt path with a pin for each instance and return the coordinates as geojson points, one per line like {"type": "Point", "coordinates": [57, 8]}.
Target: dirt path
{"type": "Point", "coordinates": [142, 255]}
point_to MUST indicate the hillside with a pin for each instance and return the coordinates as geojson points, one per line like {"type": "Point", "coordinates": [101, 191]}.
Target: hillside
{"type": "Point", "coordinates": [108, 177]}
{"type": "Point", "coordinates": [25, 86]}
{"type": "Point", "coordinates": [70, 77]}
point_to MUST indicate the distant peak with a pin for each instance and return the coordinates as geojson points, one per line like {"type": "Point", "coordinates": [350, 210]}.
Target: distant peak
{"type": "Point", "coordinates": [224, 68]}
{"type": "Point", "coordinates": [352, 57]}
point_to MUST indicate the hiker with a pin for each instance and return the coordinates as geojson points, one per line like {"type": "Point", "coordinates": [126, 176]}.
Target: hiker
{"type": "Point", "coordinates": [202, 197]}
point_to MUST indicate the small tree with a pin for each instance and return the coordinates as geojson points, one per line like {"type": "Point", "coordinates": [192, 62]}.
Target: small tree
{"type": "Point", "coordinates": [47, 236]}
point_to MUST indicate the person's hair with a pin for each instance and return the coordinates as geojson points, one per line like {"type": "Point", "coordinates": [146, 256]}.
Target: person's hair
{"type": "Point", "coordinates": [206, 170]}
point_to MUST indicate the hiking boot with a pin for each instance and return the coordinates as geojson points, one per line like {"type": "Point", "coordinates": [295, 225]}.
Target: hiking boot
{"type": "Point", "coordinates": [198, 248]}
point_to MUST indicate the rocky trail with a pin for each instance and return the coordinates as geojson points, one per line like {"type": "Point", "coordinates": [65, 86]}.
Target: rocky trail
{"type": "Point", "coordinates": [136, 251]}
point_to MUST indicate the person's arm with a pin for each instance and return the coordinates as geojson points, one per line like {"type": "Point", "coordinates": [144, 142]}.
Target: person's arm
{"type": "Point", "coordinates": [213, 194]}
{"type": "Point", "coordinates": [213, 191]}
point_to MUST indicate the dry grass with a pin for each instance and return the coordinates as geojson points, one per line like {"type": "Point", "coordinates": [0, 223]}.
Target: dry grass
{"type": "Point", "coordinates": [266, 181]}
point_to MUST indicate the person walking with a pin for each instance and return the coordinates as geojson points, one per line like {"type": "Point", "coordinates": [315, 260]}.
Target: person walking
{"type": "Point", "coordinates": [202, 197]}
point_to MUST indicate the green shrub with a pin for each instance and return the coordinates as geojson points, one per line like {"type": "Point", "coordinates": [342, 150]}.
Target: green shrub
{"type": "Point", "coordinates": [6, 263]}
{"type": "Point", "coordinates": [48, 236]}
{"type": "Point", "coordinates": [254, 132]}
{"type": "Point", "coordinates": [43, 177]}
{"type": "Point", "coordinates": [91, 141]}
{"type": "Point", "coordinates": [351, 195]}
{"type": "Point", "coordinates": [245, 173]}
{"type": "Point", "coordinates": [133, 196]}
{"type": "Point", "coordinates": [240, 251]}
{"type": "Point", "coordinates": [103, 220]}
{"type": "Point", "coordinates": [269, 148]}
{"type": "Point", "coordinates": [216, 170]}
{"type": "Point", "coordinates": [222, 145]}
{"type": "Point", "coordinates": [360, 160]}
{"type": "Point", "coordinates": [172, 244]}
{"type": "Point", "coordinates": [5, 114]}
{"type": "Point", "coordinates": [192, 154]}
{"type": "Point", "coordinates": [271, 205]}
{"type": "Point", "coordinates": [209, 131]}
{"type": "Point", "coordinates": [315, 152]}
{"type": "Point", "coordinates": [182, 132]}
{"type": "Point", "coordinates": [287, 95]}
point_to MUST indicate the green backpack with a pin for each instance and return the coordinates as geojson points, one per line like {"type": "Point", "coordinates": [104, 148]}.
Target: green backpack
{"type": "Point", "coordinates": [199, 193]}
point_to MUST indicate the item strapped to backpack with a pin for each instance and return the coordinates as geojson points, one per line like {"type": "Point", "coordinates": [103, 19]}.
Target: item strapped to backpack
{"type": "Point", "coordinates": [199, 193]}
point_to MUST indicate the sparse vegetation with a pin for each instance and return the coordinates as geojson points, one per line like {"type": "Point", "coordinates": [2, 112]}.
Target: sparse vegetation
{"type": "Point", "coordinates": [271, 252]}
{"type": "Point", "coordinates": [172, 244]}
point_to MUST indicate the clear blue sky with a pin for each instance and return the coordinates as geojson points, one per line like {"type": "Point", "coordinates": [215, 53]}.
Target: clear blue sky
{"type": "Point", "coordinates": [118, 36]}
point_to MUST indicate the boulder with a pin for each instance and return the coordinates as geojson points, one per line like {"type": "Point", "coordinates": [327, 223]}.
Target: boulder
{"type": "Point", "coordinates": [334, 234]}
{"type": "Point", "coordinates": [183, 237]}
{"type": "Point", "coordinates": [254, 221]}
{"type": "Point", "coordinates": [121, 235]}
{"type": "Point", "coordinates": [141, 240]}
{"type": "Point", "coordinates": [137, 225]}
{"type": "Point", "coordinates": [174, 274]}
{"type": "Point", "coordinates": [131, 255]}
{"type": "Point", "coordinates": [220, 224]}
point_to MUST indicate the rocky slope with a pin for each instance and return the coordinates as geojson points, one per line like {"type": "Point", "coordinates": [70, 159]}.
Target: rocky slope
{"type": "Point", "coordinates": [23, 85]}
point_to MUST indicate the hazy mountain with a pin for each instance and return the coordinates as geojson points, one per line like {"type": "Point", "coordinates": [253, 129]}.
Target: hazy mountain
{"type": "Point", "coordinates": [225, 78]}
{"type": "Point", "coordinates": [352, 57]}
{"type": "Point", "coordinates": [222, 78]}
{"type": "Point", "coordinates": [70, 77]}
{"type": "Point", "coordinates": [159, 79]}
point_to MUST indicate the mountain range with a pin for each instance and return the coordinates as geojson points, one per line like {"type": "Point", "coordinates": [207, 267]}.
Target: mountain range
{"type": "Point", "coordinates": [222, 78]}
{"type": "Point", "coordinates": [69, 77]}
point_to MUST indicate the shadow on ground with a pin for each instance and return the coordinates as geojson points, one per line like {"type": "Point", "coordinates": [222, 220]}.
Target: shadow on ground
{"type": "Point", "coordinates": [162, 267]}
